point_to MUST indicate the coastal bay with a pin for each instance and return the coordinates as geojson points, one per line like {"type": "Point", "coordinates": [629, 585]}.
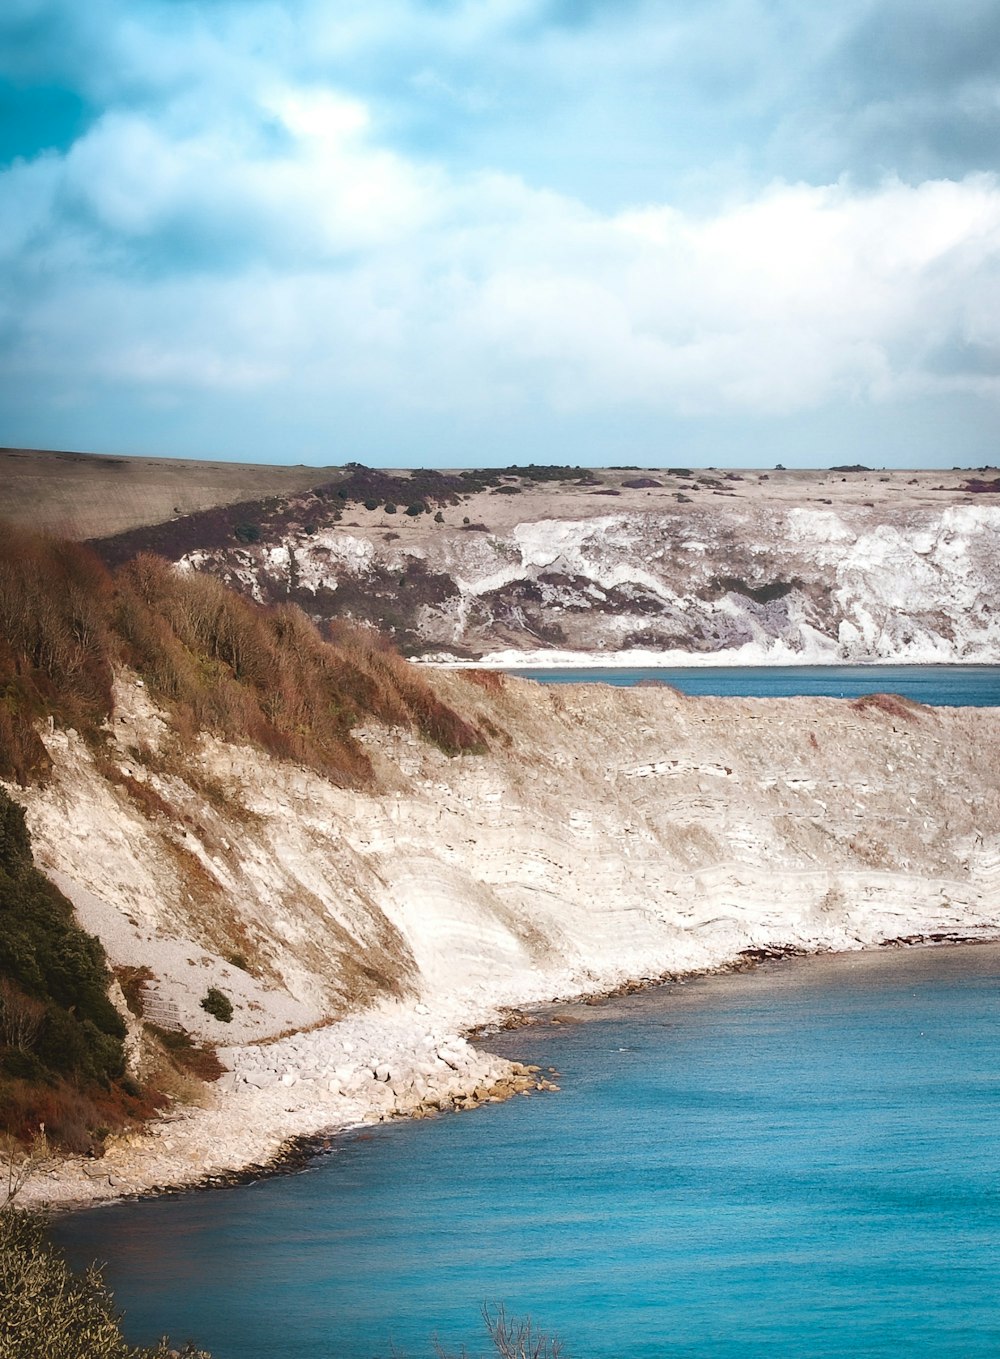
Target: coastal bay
{"type": "Point", "coordinates": [799, 1158]}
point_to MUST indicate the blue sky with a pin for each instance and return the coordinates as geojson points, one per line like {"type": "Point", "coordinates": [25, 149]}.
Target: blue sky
{"type": "Point", "coordinates": [450, 232]}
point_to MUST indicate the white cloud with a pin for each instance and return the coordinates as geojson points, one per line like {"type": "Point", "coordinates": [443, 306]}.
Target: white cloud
{"type": "Point", "coordinates": [285, 248]}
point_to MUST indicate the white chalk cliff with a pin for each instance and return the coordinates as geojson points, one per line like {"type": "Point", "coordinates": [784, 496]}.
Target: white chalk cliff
{"type": "Point", "coordinates": [605, 835]}
{"type": "Point", "coordinates": [723, 581]}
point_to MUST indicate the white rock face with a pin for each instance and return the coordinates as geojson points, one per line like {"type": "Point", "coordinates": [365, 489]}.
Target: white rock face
{"type": "Point", "coordinates": [608, 834]}
{"type": "Point", "coordinates": [730, 581]}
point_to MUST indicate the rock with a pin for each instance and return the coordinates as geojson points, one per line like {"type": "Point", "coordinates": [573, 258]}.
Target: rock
{"type": "Point", "coordinates": [261, 1080]}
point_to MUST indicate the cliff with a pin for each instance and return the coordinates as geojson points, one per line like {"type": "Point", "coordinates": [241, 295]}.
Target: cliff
{"type": "Point", "coordinates": [676, 564]}
{"type": "Point", "coordinates": [749, 574]}
{"type": "Point", "coordinates": [605, 835]}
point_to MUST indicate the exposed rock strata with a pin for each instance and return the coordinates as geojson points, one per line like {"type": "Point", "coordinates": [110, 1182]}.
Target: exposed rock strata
{"type": "Point", "coordinates": [736, 581]}
{"type": "Point", "coordinates": [608, 835]}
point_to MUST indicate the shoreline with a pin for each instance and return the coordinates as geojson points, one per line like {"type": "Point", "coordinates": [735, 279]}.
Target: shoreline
{"type": "Point", "coordinates": [749, 658]}
{"type": "Point", "coordinates": [76, 1184]}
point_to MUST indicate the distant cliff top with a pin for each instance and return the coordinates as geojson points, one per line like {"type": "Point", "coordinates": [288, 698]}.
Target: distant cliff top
{"type": "Point", "coordinates": [89, 495]}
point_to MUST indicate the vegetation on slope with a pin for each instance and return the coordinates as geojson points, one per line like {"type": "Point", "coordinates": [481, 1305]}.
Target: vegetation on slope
{"type": "Point", "coordinates": [62, 1063]}
{"type": "Point", "coordinates": [48, 1312]}
{"type": "Point", "coordinates": [215, 660]}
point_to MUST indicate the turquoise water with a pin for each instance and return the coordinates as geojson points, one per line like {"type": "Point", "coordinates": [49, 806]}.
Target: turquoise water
{"type": "Point", "coordinates": [799, 1161]}
{"type": "Point", "coordinates": [973, 686]}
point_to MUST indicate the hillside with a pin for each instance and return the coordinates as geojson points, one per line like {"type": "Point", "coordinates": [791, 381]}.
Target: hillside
{"type": "Point", "coordinates": [525, 563]}
{"type": "Point", "coordinates": [297, 848]}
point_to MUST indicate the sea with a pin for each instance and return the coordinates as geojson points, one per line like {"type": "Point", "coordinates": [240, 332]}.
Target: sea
{"type": "Point", "coordinates": [939, 685]}
{"type": "Point", "coordinates": [800, 1160]}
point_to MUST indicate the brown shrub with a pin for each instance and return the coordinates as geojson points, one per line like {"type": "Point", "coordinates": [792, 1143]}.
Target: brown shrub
{"type": "Point", "coordinates": [493, 681]}
{"type": "Point", "coordinates": [217, 662]}
{"type": "Point", "coordinates": [197, 1059]}
{"type": "Point", "coordinates": [894, 705]}
{"type": "Point", "coordinates": [54, 645]}
{"type": "Point", "coordinates": [132, 980]}
{"type": "Point", "coordinates": [74, 1119]}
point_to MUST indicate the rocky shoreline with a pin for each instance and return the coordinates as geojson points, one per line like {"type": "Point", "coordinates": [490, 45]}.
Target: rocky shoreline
{"type": "Point", "coordinates": [281, 1104]}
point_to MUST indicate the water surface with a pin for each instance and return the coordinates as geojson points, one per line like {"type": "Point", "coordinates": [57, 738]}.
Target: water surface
{"type": "Point", "coordinates": [973, 686]}
{"type": "Point", "coordinates": [799, 1161]}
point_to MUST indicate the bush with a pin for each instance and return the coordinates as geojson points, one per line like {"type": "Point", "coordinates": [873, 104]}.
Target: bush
{"type": "Point", "coordinates": [48, 1312]}
{"type": "Point", "coordinates": [217, 1003]}
{"type": "Point", "coordinates": [216, 661]}
{"type": "Point", "coordinates": [390, 507]}
{"type": "Point", "coordinates": [415, 509]}
{"type": "Point", "coordinates": [247, 533]}
{"type": "Point", "coordinates": [53, 975]}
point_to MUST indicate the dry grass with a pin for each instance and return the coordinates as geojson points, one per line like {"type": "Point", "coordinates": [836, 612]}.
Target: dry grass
{"type": "Point", "coordinates": [216, 661]}
{"type": "Point", "coordinates": [492, 681]}
{"type": "Point", "coordinates": [74, 1119]}
{"type": "Point", "coordinates": [893, 705]}
{"type": "Point", "coordinates": [184, 1055]}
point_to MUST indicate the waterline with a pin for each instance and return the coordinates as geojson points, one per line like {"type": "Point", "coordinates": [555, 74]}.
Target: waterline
{"type": "Point", "coordinates": [798, 1160]}
{"type": "Point", "coordinates": [937, 685]}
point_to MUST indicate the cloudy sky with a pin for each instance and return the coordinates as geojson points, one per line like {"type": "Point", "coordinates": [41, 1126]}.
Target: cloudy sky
{"type": "Point", "coordinates": [458, 232]}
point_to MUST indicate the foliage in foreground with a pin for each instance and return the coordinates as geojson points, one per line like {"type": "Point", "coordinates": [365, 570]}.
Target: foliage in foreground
{"type": "Point", "coordinates": [48, 1312]}
{"type": "Point", "coordinates": [515, 1337]}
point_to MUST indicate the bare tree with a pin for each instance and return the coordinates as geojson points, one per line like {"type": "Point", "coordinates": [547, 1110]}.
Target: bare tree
{"type": "Point", "coordinates": [20, 1017]}
{"type": "Point", "coordinates": [517, 1338]}
{"type": "Point", "coordinates": [512, 1337]}
{"type": "Point", "coordinates": [18, 1164]}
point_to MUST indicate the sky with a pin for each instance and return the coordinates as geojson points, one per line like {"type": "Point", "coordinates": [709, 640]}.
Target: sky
{"type": "Point", "coordinates": [483, 232]}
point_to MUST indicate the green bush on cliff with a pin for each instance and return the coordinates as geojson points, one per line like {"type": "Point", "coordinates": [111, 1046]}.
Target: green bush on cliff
{"type": "Point", "coordinates": [56, 1021]}
{"type": "Point", "coordinates": [217, 1003]}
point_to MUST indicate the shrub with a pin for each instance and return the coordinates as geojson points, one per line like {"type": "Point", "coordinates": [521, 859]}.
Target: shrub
{"type": "Point", "coordinates": [493, 681]}
{"type": "Point", "coordinates": [416, 509]}
{"type": "Point", "coordinates": [390, 507]}
{"type": "Point", "coordinates": [247, 533]}
{"type": "Point", "coordinates": [217, 1003]}
{"type": "Point", "coordinates": [132, 980]}
{"type": "Point", "coordinates": [371, 504]}
{"type": "Point", "coordinates": [215, 660]}
{"type": "Point", "coordinates": [894, 705]}
{"type": "Point", "coordinates": [439, 518]}
{"type": "Point", "coordinates": [54, 646]}
{"type": "Point", "coordinates": [198, 1059]}
{"type": "Point", "coordinates": [48, 1312]}
{"type": "Point", "coordinates": [54, 975]}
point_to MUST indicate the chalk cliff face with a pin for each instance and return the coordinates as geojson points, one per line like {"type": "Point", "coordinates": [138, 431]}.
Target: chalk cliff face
{"type": "Point", "coordinates": [607, 834]}
{"type": "Point", "coordinates": [727, 581]}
